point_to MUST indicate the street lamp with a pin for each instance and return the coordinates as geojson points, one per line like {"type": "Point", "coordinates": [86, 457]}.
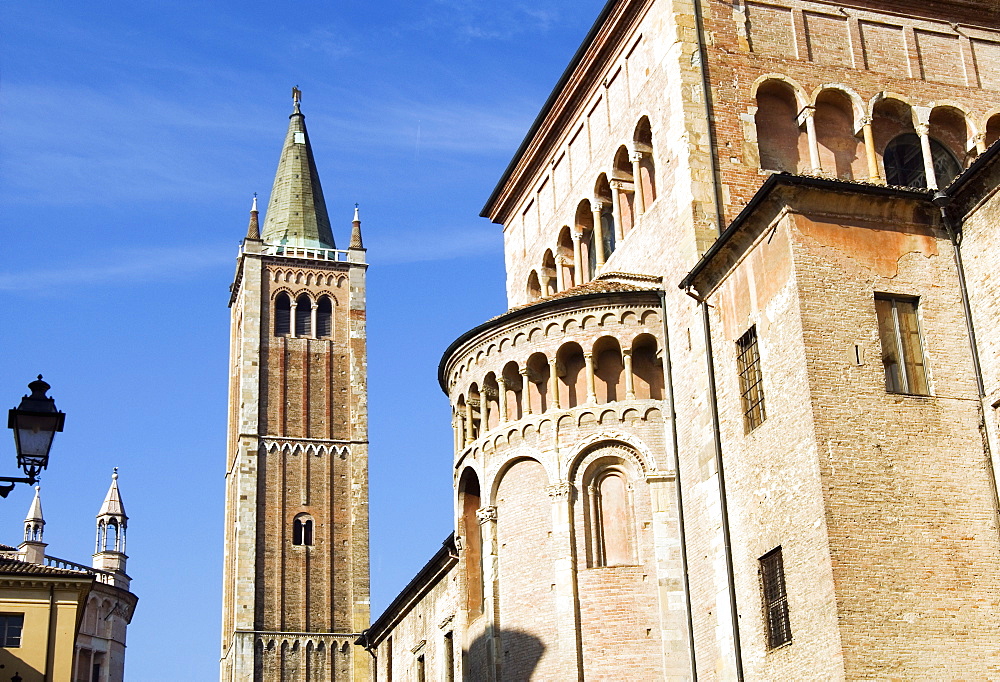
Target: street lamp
{"type": "Point", "coordinates": [35, 423]}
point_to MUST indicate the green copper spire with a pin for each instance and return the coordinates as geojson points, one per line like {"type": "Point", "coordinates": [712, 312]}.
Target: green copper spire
{"type": "Point", "coordinates": [296, 211]}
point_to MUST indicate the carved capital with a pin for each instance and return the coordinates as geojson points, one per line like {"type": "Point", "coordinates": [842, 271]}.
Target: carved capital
{"type": "Point", "coordinates": [596, 205]}
{"type": "Point", "coordinates": [866, 121]}
{"type": "Point", "coordinates": [559, 490]}
{"type": "Point", "coordinates": [636, 156]}
{"type": "Point", "coordinates": [923, 129]}
{"type": "Point", "coordinates": [486, 514]}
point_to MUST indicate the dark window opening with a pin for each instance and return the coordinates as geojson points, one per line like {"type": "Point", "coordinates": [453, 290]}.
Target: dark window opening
{"type": "Point", "coordinates": [421, 672]}
{"type": "Point", "coordinates": [449, 657]}
{"type": "Point", "coordinates": [282, 315]}
{"type": "Point", "coordinates": [608, 229]}
{"type": "Point", "coordinates": [10, 629]}
{"type": "Point", "coordinates": [772, 577]}
{"type": "Point", "coordinates": [324, 318]}
{"type": "Point", "coordinates": [902, 352]}
{"type": "Point", "coordinates": [303, 316]}
{"type": "Point", "coordinates": [904, 163]}
{"type": "Point", "coordinates": [751, 380]}
{"type": "Point", "coordinates": [302, 532]}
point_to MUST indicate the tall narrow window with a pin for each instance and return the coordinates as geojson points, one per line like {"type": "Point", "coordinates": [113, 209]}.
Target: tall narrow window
{"type": "Point", "coordinates": [303, 316]}
{"type": "Point", "coordinates": [324, 318]}
{"type": "Point", "coordinates": [772, 578]}
{"type": "Point", "coordinates": [902, 353]}
{"type": "Point", "coordinates": [282, 315]}
{"type": "Point", "coordinates": [449, 657]}
{"type": "Point", "coordinates": [302, 531]}
{"type": "Point", "coordinates": [751, 381]}
{"type": "Point", "coordinates": [612, 520]}
{"type": "Point", "coordinates": [421, 671]}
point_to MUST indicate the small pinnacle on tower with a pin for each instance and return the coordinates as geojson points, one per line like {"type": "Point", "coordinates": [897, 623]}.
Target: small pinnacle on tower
{"type": "Point", "coordinates": [356, 242]}
{"type": "Point", "coordinates": [253, 230]}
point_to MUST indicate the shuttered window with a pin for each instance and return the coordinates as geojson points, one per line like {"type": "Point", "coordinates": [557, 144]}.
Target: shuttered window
{"type": "Point", "coordinates": [282, 315]}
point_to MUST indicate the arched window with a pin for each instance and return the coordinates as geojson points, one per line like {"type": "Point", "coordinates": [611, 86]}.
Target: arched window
{"type": "Point", "coordinates": [513, 390]}
{"type": "Point", "coordinates": [585, 228]}
{"type": "Point", "coordinates": [538, 383]}
{"type": "Point", "coordinates": [282, 315]}
{"type": "Point", "coordinates": [992, 130]}
{"type": "Point", "coordinates": [549, 273]}
{"type": "Point", "coordinates": [303, 316]}
{"type": "Point", "coordinates": [904, 163]}
{"type": "Point", "coordinates": [841, 152]}
{"type": "Point", "coordinates": [566, 258]}
{"type": "Point", "coordinates": [571, 367]}
{"type": "Point", "coordinates": [602, 193]}
{"type": "Point", "coordinates": [612, 525]}
{"type": "Point", "coordinates": [779, 139]}
{"type": "Point", "coordinates": [302, 530]}
{"type": "Point", "coordinates": [472, 541]}
{"type": "Point", "coordinates": [324, 318]}
{"type": "Point", "coordinates": [647, 368]}
{"type": "Point", "coordinates": [534, 287]}
{"type": "Point", "coordinates": [646, 182]}
{"type": "Point", "coordinates": [625, 188]}
{"type": "Point", "coordinates": [608, 370]}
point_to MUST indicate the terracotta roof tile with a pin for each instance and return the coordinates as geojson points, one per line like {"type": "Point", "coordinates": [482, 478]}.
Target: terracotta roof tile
{"type": "Point", "coordinates": [15, 567]}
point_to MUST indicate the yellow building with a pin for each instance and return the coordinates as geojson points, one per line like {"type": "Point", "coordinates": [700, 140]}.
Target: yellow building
{"type": "Point", "coordinates": [40, 614]}
{"type": "Point", "coordinates": [61, 621]}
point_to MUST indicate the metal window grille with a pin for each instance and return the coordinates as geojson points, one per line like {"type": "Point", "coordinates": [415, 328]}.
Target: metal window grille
{"type": "Point", "coordinates": [772, 577]}
{"type": "Point", "coordinates": [902, 351]}
{"type": "Point", "coordinates": [10, 629]}
{"type": "Point", "coordinates": [751, 381]}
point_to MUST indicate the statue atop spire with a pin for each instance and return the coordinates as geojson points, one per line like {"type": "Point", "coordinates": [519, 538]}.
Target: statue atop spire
{"type": "Point", "coordinates": [296, 211]}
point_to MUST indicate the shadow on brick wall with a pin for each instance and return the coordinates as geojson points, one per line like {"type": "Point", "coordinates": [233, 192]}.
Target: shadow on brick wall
{"type": "Point", "coordinates": [519, 654]}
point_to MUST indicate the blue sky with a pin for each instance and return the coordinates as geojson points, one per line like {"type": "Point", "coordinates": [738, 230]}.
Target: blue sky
{"type": "Point", "coordinates": [132, 136]}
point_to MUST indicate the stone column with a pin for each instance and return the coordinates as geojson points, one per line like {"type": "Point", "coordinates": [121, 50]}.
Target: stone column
{"type": "Point", "coordinates": [923, 130]}
{"type": "Point", "coordinates": [629, 379]}
{"type": "Point", "coordinates": [640, 196]}
{"type": "Point", "coordinates": [591, 389]}
{"type": "Point", "coordinates": [456, 425]}
{"type": "Point", "coordinates": [553, 383]}
{"type": "Point", "coordinates": [874, 173]}
{"type": "Point", "coordinates": [980, 143]}
{"type": "Point", "coordinates": [469, 433]}
{"type": "Point", "coordinates": [596, 207]}
{"type": "Point", "coordinates": [312, 321]}
{"type": "Point", "coordinates": [560, 285]}
{"type": "Point", "coordinates": [525, 392]}
{"type": "Point", "coordinates": [577, 257]}
{"type": "Point", "coordinates": [292, 325]}
{"type": "Point", "coordinates": [487, 517]}
{"type": "Point", "coordinates": [484, 410]}
{"type": "Point", "coordinates": [616, 208]}
{"type": "Point", "coordinates": [564, 569]}
{"type": "Point", "coordinates": [807, 115]}
{"type": "Point", "coordinates": [502, 398]}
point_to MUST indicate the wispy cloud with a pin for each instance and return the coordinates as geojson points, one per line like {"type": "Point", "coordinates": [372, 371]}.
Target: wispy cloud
{"type": "Point", "coordinates": [437, 245]}
{"type": "Point", "coordinates": [483, 20]}
{"type": "Point", "coordinates": [121, 267]}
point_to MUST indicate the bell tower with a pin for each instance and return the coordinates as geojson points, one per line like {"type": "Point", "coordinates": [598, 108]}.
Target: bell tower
{"type": "Point", "coordinates": [295, 583]}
